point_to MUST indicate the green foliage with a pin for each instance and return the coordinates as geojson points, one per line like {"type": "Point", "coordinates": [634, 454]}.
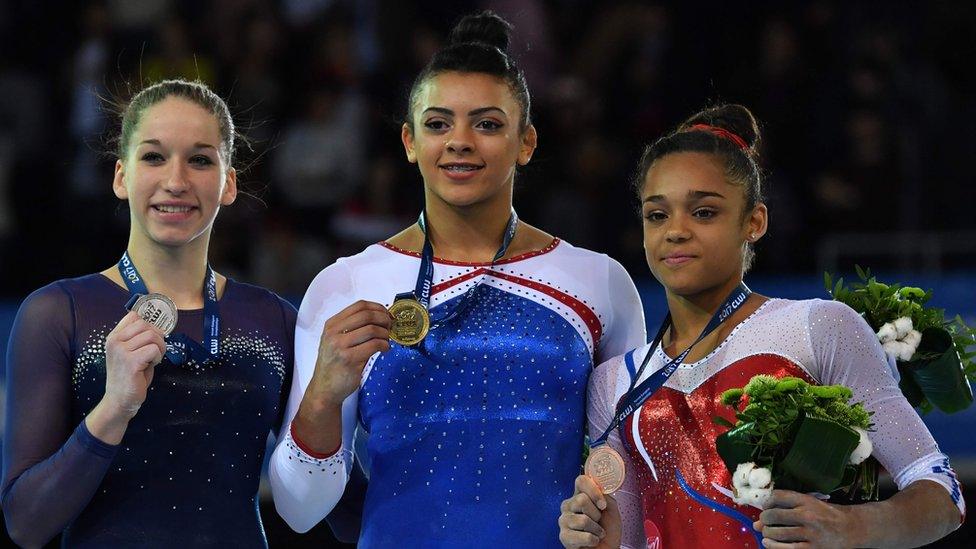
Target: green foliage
{"type": "Point", "coordinates": [775, 406]}
{"type": "Point", "coordinates": [964, 340]}
{"type": "Point", "coordinates": [879, 303]}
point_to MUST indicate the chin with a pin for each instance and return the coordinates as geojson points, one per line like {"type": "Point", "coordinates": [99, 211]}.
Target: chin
{"type": "Point", "coordinates": [173, 239]}
{"type": "Point", "coordinates": [681, 283]}
{"type": "Point", "coordinates": [461, 197]}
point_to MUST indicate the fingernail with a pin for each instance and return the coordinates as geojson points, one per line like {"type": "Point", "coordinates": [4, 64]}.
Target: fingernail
{"type": "Point", "coordinates": [602, 504]}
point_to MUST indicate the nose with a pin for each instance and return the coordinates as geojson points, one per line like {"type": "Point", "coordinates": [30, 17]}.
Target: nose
{"type": "Point", "coordinates": [177, 181]}
{"type": "Point", "coordinates": [677, 229]}
{"type": "Point", "coordinates": [459, 141]}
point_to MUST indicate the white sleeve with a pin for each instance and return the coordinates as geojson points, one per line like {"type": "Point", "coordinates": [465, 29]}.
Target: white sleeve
{"type": "Point", "coordinates": [848, 353]}
{"type": "Point", "coordinates": [602, 395]}
{"type": "Point", "coordinates": [624, 329]}
{"type": "Point", "coordinates": [305, 489]}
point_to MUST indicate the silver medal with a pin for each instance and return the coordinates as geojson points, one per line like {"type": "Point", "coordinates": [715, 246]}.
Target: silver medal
{"type": "Point", "coordinates": [158, 310]}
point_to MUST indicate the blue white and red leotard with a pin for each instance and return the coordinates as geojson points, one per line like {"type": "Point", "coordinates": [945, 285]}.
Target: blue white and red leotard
{"type": "Point", "coordinates": [475, 436]}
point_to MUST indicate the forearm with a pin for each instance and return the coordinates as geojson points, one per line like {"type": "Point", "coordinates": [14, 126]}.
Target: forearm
{"type": "Point", "coordinates": [45, 498]}
{"type": "Point", "coordinates": [317, 425]}
{"type": "Point", "coordinates": [920, 514]}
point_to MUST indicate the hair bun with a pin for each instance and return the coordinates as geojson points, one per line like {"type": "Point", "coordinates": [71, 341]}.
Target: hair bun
{"type": "Point", "coordinates": [734, 118]}
{"type": "Point", "coordinates": [486, 27]}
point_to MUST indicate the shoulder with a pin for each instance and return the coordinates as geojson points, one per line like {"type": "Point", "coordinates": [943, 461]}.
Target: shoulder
{"type": "Point", "coordinates": [61, 293]}
{"type": "Point", "coordinates": [258, 296]}
{"type": "Point", "coordinates": [806, 310]}
{"type": "Point", "coordinates": [339, 277]}
{"type": "Point", "coordinates": [561, 251]}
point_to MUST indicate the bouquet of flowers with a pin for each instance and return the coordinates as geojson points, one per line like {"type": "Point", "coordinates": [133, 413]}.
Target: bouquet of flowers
{"type": "Point", "coordinates": [932, 354]}
{"type": "Point", "coordinates": [796, 436]}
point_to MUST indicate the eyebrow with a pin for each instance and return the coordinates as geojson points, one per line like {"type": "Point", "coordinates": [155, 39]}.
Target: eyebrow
{"type": "Point", "coordinates": [195, 145]}
{"type": "Point", "coordinates": [692, 195]}
{"type": "Point", "coordinates": [473, 112]}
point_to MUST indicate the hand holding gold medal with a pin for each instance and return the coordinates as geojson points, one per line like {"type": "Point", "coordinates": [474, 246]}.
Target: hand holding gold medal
{"type": "Point", "coordinates": [347, 341]}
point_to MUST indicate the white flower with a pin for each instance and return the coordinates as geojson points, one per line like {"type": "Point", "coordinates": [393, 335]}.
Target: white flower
{"type": "Point", "coordinates": [887, 333]}
{"type": "Point", "coordinates": [863, 449]}
{"type": "Point", "coordinates": [913, 338]}
{"type": "Point", "coordinates": [903, 325]}
{"type": "Point", "coordinates": [760, 477]}
{"type": "Point", "coordinates": [741, 475]}
{"type": "Point", "coordinates": [752, 485]}
{"type": "Point", "coordinates": [899, 349]}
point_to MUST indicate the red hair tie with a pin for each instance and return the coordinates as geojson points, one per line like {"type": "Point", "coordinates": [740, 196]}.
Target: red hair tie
{"type": "Point", "coordinates": [723, 133]}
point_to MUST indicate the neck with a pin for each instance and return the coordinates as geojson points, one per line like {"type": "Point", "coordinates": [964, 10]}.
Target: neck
{"type": "Point", "coordinates": [178, 271]}
{"type": "Point", "coordinates": [691, 313]}
{"type": "Point", "coordinates": [468, 233]}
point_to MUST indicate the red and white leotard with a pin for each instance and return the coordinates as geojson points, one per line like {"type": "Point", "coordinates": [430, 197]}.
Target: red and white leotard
{"type": "Point", "coordinates": [672, 433]}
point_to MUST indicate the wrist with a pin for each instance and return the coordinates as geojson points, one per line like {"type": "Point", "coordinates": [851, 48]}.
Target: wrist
{"type": "Point", "coordinates": [319, 399]}
{"type": "Point", "coordinates": [305, 447]}
{"type": "Point", "coordinates": [107, 421]}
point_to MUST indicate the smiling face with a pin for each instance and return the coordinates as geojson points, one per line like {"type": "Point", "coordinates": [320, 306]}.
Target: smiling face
{"type": "Point", "coordinates": [466, 139]}
{"type": "Point", "coordinates": [173, 175]}
{"type": "Point", "coordinates": [695, 224]}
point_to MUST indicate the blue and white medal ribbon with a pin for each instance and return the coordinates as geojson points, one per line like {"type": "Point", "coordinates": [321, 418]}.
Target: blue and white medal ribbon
{"type": "Point", "coordinates": [179, 347]}
{"type": "Point", "coordinates": [604, 464]}
{"type": "Point", "coordinates": [411, 320]}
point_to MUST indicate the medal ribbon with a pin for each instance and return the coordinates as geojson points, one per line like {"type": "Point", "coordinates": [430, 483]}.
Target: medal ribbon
{"type": "Point", "coordinates": [635, 396]}
{"type": "Point", "coordinates": [425, 278]}
{"type": "Point", "coordinates": [179, 346]}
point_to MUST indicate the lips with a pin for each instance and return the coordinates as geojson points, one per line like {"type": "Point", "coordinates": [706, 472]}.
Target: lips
{"type": "Point", "coordinates": [172, 211]}
{"type": "Point", "coordinates": [676, 259]}
{"type": "Point", "coordinates": [460, 170]}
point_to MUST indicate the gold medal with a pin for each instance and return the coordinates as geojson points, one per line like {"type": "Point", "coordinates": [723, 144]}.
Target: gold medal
{"type": "Point", "coordinates": [410, 322]}
{"type": "Point", "coordinates": [606, 467]}
{"type": "Point", "coordinates": [158, 310]}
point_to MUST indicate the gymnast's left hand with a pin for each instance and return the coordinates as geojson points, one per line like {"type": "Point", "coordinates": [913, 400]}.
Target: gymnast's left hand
{"type": "Point", "coordinates": [793, 520]}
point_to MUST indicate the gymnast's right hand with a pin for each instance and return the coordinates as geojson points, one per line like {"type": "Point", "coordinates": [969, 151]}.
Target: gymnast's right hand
{"type": "Point", "coordinates": [132, 350]}
{"type": "Point", "coordinates": [590, 518]}
{"type": "Point", "coordinates": [348, 340]}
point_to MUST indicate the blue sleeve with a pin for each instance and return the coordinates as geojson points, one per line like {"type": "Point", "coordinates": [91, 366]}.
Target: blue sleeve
{"type": "Point", "coordinates": [51, 468]}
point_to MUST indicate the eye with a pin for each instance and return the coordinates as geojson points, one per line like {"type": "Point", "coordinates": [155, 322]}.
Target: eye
{"type": "Point", "coordinates": [152, 157]}
{"type": "Point", "coordinates": [201, 160]}
{"type": "Point", "coordinates": [705, 213]}
{"type": "Point", "coordinates": [655, 216]}
{"type": "Point", "coordinates": [435, 125]}
{"type": "Point", "coordinates": [489, 125]}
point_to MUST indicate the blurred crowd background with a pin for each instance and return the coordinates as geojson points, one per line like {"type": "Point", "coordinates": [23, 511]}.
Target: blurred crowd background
{"type": "Point", "coordinates": [868, 112]}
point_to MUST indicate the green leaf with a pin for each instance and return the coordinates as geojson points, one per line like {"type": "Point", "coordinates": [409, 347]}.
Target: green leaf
{"type": "Point", "coordinates": [721, 421]}
{"type": "Point", "coordinates": [860, 272]}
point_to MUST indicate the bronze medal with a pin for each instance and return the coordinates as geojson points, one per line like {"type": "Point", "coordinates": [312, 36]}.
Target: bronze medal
{"type": "Point", "coordinates": [411, 321]}
{"type": "Point", "coordinates": [606, 467]}
{"type": "Point", "coordinates": [158, 310]}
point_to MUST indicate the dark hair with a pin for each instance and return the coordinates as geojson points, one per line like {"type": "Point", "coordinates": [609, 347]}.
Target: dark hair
{"type": "Point", "coordinates": [741, 163]}
{"type": "Point", "coordinates": [197, 92]}
{"type": "Point", "coordinates": [478, 44]}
